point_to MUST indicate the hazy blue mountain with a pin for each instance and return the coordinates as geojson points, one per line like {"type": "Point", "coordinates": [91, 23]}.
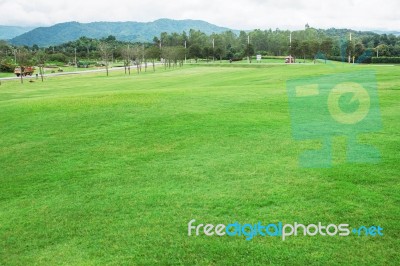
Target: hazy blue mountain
{"type": "Point", "coordinates": [125, 31]}
{"type": "Point", "coordinates": [9, 32]}
{"type": "Point", "coordinates": [397, 33]}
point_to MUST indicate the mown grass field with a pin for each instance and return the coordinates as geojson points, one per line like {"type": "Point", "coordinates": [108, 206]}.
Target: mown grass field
{"type": "Point", "coordinates": [98, 170]}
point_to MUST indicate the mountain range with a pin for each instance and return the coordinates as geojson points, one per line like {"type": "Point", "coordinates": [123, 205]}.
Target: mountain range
{"type": "Point", "coordinates": [397, 33]}
{"type": "Point", "coordinates": [124, 31]}
{"type": "Point", "coordinates": [9, 32]}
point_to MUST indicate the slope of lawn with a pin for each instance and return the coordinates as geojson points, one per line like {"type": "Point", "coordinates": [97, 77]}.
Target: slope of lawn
{"type": "Point", "coordinates": [110, 170]}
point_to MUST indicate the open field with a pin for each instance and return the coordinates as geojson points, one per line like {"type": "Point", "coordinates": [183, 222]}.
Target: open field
{"type": "Point", "coordinates": [98, 170]}
{"type": "Point", "coordinates": [66, 68]}
{"type": "Point", "coordinates": [6, 75]}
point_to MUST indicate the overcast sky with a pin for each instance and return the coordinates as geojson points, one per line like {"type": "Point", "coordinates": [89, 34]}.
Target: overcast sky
{"type": "Point", "coordinates": [235, 14]}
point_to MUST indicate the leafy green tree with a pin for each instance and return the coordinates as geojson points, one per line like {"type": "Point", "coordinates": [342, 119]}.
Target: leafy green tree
{"type": "Point", "coordinates": [219, 53]}
{"type": "Point", "coordinates": [326, 47]}
{"type": "Point", "coordinates": [295, 48]}
{"type": "Point", "coordinates": [23, 57]}
{"type": "Point", "coordinates": [242, 44]}
{"type": "Point", "coordinates": [395, 50]}
{"type": "Point", "coordinates": [197, 38]}
{"type": "Point", "coordinates": [350, 48]}
{"type": "Point", "coordinates": [153, 53]}
{"type": "Point", "coordinates": [5, 50]}
{"type": "Point", "coordinates": [173, 55]}
{"type": "Point", "coordinates": [305, 49]}
{"type": "Point", "coordinates": [166, 54]}
{"type": "Point", "coordinates": [40, 60]}
{"type": "Point", "coordinates": [164, 39]}
{"type": "Point", "coordinates": [57, 57]}
{"type": "Point", "coordinates": [110, 39]}
{"type": "Point", "coordinates": [220, 45]}
{"type": "Point", "coordinates": [138, 55]}
{"type": "Point", "coordinates": [313, 48]}
{"type": "Point", "coordinates": [359, 49]}
{"type": "Point", "coordinates": [3, 55]}
{"type": "Point", "coordinates": [179, 54]}
{"type": "Point", "coordinates": [105, 52]}
{"type": "Point", "coordinates": [249, 51]}
{"type": "Point", "coordinates": [127, 54]}
{"type": "Point", "coordinates": [259, 41]}
{"type": "Point", "coordinates": [382, 50]}
{"type": "Point", "coordinates": [207, 52]}
{"type": "Point", "coordinates": [195, 52]}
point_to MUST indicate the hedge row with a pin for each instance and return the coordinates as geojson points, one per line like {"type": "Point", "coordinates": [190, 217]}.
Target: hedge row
{"type": "Point", "coordinates": [368, 59]}
{"type": "Point", "coordinates": [359, 60]}
{"type": "Point", "coordinates": [7, 68]}
{"type": "Point", "coordinates": [337, 58]}
{"type": "Point", "coordinates": [386, 60]}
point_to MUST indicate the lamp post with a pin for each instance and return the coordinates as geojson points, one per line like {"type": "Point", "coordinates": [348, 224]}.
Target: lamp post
{"type": "Point", "coordinates": [290, 48]}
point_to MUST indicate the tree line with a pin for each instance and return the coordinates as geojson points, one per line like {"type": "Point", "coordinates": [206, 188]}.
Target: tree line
{"type": "Point", "coordinates": [174, 48]}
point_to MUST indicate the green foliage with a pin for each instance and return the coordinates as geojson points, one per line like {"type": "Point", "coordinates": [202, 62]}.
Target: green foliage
{"type": "Point", "coordinates": [386, 60]}
{"type": "Point", "coordinates": [306, 44]}
{"type": "Point", "coordinates": [207, 52]}
{"type": "Point", "coordinates": [195, 51]}
{"type": "Point", "coordinates": [58, 57]}
{"type": "Point", "coordinates": [249, 50]}
{"type": "Point", "coordinates": [86, 64]}
{"type": "Point", "coordinates": [173, 54]}
{"type": "Point", "coordinates": [153, 52]}
{"type": "Point", "coordinates": [359, 49]}
{"type": "Point", "coordinates": [337, 58]}
{"type": "Point", "coordinates": [7, 67]}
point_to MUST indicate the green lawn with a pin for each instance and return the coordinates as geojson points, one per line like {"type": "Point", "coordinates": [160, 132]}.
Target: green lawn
{"type": "Point", "coordinates": [55, 69]}
{"type": "Point", "coordinates": [6, 75]}
{"type": "Point", "coordinates": [98, 170]}
{"type": "Point", "coordinates": [277, 60]}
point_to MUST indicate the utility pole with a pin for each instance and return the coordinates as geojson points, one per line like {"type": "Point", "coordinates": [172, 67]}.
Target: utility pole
{"type": "Point", "coordinates": [350, 49]}
{"type": "Point", "coordinates": [161, 48]}
{"type": "Point", "coordinates": [248, 48]}
{"type": "Point", "coordinates": [185, 52]}
{"type": "Point", "coordinates": [112, 55]}
{"type": "Point", "coordinates": [143, 59]}
{"type": "Point", "coordinates": [213, 43]}
{"type": "Point", "coordinates": [76, 64]}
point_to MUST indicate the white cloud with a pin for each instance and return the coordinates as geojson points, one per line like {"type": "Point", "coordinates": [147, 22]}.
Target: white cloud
{"type": "Point", "coordinates": [237, 14]}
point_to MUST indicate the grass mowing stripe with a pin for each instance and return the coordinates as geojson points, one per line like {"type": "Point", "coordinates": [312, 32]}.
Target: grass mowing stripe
{"type": "Point", "coordinates": [98, 170]}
